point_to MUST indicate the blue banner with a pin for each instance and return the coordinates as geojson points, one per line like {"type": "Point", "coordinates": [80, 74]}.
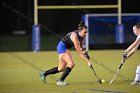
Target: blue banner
{"type": "Point", "coordinates": [36, 38]}
{"type": "Point", "coordinates": [119, 33]}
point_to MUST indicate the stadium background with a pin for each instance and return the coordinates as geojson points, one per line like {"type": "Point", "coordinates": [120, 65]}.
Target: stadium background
{"type": "Point", "coordinates": [17, 20]}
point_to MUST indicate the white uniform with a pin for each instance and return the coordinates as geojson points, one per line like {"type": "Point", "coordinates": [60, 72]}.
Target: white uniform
{"type": "Point", "coordinates": [138, 37]}
{"type": "Point", "coordinates": [137, 77]}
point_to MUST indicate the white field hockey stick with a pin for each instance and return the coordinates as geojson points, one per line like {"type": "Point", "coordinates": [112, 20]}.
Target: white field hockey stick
{"type": "Point", "coordinates": [117, 72]}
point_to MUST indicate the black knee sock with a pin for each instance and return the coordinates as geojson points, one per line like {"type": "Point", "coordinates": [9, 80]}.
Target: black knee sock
{"type": "Point", "coordinates": [65, 73]}
{"type": "Point", "coordinates": [51, 71]}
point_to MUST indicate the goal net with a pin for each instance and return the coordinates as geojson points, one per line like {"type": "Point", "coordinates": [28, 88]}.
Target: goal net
{"type": "Point", "coordinates": [105, 30]}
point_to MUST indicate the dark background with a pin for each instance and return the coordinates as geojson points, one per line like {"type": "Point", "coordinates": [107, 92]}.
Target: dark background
{"type": "Point", "coordinates": [56, 20]}
{"type": "Point", "coordinates": [17, 15]}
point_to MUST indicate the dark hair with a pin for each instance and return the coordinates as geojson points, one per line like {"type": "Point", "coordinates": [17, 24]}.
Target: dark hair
{"type": "Point", "coordinates": [81, 26]}
{"type": "Point", "coordinates": [137, 25]}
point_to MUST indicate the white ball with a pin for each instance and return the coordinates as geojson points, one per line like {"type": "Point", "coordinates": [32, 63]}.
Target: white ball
{"type": "Point", "coordinates": [103, 80]}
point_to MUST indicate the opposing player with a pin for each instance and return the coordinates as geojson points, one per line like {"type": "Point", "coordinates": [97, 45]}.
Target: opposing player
{"type": "Point", "coordinates": [137, 76]}
{"type": "Point", "coordinates": [66, 62]}
{"type": "Point", "coordinates": [130, 51]}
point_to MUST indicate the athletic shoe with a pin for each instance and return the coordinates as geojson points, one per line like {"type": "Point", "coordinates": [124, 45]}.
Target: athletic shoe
{"type": "Point", "coordinates": [135, 83]}
{"type": "Point", "coordinates": [43, 77]}
{"type": "Point", "coordinates": [61, 83]}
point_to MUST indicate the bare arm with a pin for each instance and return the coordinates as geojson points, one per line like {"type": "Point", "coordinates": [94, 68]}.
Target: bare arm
{"type": "Point", "coordinates": [76, 42]}
{"type": "Point", "coordinates": [82, 46]}
{"type": "Point", "coordinates": [132, 51]}
{"type": "Point", "coordinates": [132, 48]}
{"type": "Point", "coordinates": [82, 43]}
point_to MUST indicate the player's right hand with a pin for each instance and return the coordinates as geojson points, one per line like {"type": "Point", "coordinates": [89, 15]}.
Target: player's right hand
{"type": "Point", "coordinates": [89, 64]}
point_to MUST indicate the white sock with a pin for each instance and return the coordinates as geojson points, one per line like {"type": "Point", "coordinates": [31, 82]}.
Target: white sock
{"type": "Point", "coordinates": [137, 77]}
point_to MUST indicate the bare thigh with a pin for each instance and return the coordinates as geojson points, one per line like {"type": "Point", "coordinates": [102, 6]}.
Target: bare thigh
{"type": "Point", "coordinates": [68, 59]}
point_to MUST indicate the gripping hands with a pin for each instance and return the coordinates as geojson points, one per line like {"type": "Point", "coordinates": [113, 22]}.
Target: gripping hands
{"type": "Point", "coordinates": [124, 56]}
{"type": "Point", "coordinates": [86, 55]}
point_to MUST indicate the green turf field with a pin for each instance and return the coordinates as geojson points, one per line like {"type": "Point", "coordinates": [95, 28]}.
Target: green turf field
{"type": "Point", "coordinates": [17, 74]}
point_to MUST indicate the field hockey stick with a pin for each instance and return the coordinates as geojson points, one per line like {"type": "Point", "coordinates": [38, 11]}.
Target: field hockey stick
{"type": "Point", "coordinates": [106, 67]}
{"type": "Point", "coordinates": [99, 80]}
{"type": "Point", "coordinates": [117, 72]}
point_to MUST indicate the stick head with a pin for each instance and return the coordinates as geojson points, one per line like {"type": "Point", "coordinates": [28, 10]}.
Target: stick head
{"type": "Point", "coordinates": [111, 82]}
{"type": "Point", "coordinates": [100, 81]}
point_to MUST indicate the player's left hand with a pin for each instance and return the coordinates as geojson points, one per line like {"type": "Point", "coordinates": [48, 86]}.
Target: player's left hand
{"type": "Point", "coordinates": [124, 55]}
{"type": "Point", "coordinates": [86, 55]}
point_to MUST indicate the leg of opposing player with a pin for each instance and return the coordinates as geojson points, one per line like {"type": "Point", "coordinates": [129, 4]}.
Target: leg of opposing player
{"type": "Point", "coordinates": [137, 77]}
